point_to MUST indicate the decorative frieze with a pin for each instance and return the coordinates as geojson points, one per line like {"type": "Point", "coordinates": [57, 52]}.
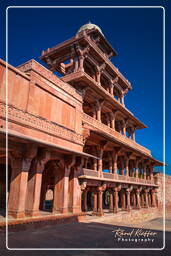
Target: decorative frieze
{"type": "Point", "coordinates": [27, 119]}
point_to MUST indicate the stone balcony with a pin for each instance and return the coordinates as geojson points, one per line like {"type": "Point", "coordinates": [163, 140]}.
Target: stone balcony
{"type": "Point", "coordinates": [95, 175]}
{"type": "Point", "coordinates": [81, 76]}
{"type": "Point", "coordinates": [102, 128]}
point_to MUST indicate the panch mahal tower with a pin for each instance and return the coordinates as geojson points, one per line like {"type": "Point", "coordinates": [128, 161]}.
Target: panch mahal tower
{"type": "Point", "coordinates": [71, 140]}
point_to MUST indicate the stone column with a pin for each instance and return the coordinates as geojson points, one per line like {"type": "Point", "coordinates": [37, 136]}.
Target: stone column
{"type": "Point", "coordinates": [142, 200]}
{"type": "Point", "coordinates": [81, 62]}
{"type": "Point", "coordinates": [136, 169]}
{"type": "Point", "coordinates": [111, 201]}
{"type": "Point", "coordinates": [134, 200]}
{"type": "Point", "coordinates": [112, 118]}
{"type": "Point", "coordinates": [115, 157]}
{"type": "Point", "coordinates": [122, 100]}
{"type": "Point", "coordinates": [100, 161]}
{"type": "Point", "coordinates": [100, 203]}
{"type": "Point", "coordinates": [146, 198]}
{"type": "Point", "coordinates": [95, 164]}
{"type": "Point", "coordinates": [145, 174]}
{"type": "Point", "coordinates": [138, 198]}
{"type": "Point", "coordinates": [149, 199]}
{"type": "Point", "coordinates": [35, 182]}
{"type": "Point", "coordinates": [111, 86]}
{"type": "Point", "coordinates": [110, 164]}
{"type": "Point", "coordinates": [74, 186]}
{"type": "Point", "coordinates": [98, 109]}
{"type": "Point", "coordinates": [108, 119]}
{"type": "Point", "coordinates": [153, 197]}
{"type": "Point", "coordinates": [85, 200]}
{"type": "Point", "coordinates": [98, 74]}
{"type": "Point", "coordinates": [18, 186]}
{"type": "Point", "coordinates": [128, 207]}
{"type": "Point", "coordinates": [95, 203]}
{"type": "Point", "coordinates": [115, 209]}
{"type": "Point", "coordinates": [123, 200]}
{"type": "Point", "coordinates": [151, 172]}
{"type": "Point", "coordinates": [127, 166]}
{"type": "Point", "coordinates": [122, 166]}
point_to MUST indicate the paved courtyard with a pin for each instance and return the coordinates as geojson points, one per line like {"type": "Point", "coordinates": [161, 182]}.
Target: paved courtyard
{"type": "Point", "coordinates": [95, 234]}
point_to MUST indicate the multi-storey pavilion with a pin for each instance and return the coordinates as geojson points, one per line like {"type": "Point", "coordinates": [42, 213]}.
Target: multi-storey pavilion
{"type": "Point", "coordinates": [71, 139]}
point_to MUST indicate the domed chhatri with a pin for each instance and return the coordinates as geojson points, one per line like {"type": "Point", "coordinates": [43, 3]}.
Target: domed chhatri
{"type": "Point", "coordinates": [89, 26]}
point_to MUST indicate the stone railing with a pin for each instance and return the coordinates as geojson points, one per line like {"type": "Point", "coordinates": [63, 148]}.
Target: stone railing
{"type": "Point", "coordinates": [119, 137]}
{"type": "Point", "coordinates": [89, 172]}
{"type": "Point", "coordinates": [117, 177]}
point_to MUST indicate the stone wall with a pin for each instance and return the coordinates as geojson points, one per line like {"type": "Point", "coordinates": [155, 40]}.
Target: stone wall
{"type": "Point", "coordinates": [161, 194]}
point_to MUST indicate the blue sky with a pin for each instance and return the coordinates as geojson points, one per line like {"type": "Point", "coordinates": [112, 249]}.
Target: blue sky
{"type": "Point", "coordinates": [135, 33]}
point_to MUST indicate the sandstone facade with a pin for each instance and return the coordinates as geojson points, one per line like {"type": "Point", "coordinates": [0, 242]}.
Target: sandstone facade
{"type": "Point", "coordinates": [71, 140]}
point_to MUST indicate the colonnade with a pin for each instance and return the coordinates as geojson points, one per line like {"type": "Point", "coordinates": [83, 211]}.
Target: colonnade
{"type": "Point", "coordinates": [120, 164]}
{"type": "Point", "coordinates": [120, 199]}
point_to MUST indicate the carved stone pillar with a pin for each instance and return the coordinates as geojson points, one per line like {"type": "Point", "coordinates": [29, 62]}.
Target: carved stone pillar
{"type": "Point", "coordinates": [112, 118]}
{"type": "Point", "coordinates": [122, 100]}
{"type": "Point", "coordinates": [128, 206]}
{"type": "Point", "coordinates": [115, 157]}
{"type": "Point", "coordinates": [98, 74]}
{"type": "Point", "coordinates": [122, 166]}
{"type": "Point", "coordinates": [85, 200]}
{"type": "Point", "coordinates": [110, 164]}
{"type": "Point", "coordinates": [100, 203]}
{"type": "Point", "coordinates": [153, 198]}
{"type": "Point", "coordinates": [137, 161]}
{"type": "Point", "coordinates": [142, 200]}
{"type": "Point", "coordinates": [149, 199]}
{"type": "Point", "coordinates": [138, 199]}
{"type": "Point", "coordinates": [127, 166]}
{"type": "Point", "coordinates": [115, 210]}
{"type": "Point", "coordinates": [18, 186]}
{"type": "Point", "coordinates": [111, 86]}
{"type": "Point", "coordinates": [146, 198]}
{"type": "Point", "coordinates": [95, 203]}
{"type": "Point", "coordinates": [134, 200]}
{"type": "Point", "coordinates": [74, 186]}
{"type": "Point", "coordinates": [81, 62]}
{"type": "Point", "coordinates": [95, 164]}
{"type": "Point", "coordinates": [98, 109]}
{"type": "Point", "coordinates": [35, 182]}
{"type": "Point", "coordinates": [151, 172]}
{"type": "Point", "coordinates": [111, 201]}
{"type": "Point", "coordinates": [100, 161]}
{"type": "Point", "coordinates": [123, 200]}
{"type": "Point", "coordinates": [145, 174]}
{"type": "Point", "coordinates": [108, 119]}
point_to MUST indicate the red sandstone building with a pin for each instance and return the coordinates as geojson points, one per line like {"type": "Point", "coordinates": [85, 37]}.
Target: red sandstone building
{"type": "Point", "coordinates": [64, 132]}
